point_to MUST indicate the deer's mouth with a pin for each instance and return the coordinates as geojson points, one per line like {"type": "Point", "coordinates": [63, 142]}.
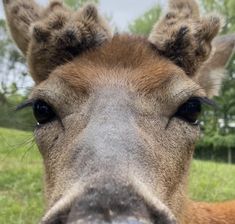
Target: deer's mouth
{"type": "Point", "coordinates": [108, 204]}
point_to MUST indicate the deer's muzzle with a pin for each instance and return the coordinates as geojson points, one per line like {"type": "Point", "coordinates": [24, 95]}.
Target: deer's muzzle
{"type": "Point", "coordinates": [107, 173]}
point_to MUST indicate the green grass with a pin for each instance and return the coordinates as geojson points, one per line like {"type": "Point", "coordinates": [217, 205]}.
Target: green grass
{"type": "Point", "coordinates": [212, 181]}
{"type": "Point", "coordinates": [21, 179]}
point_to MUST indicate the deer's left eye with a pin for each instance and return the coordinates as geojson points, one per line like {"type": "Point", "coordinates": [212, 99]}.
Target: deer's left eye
{"type": "Point", "coordinates": [43, 112]}
{"type": "Point", "coordinates": [190, 111]}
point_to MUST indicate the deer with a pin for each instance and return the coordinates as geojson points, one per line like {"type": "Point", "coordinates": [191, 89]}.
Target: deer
{"type": "Point", "coordinates": [118, 114]}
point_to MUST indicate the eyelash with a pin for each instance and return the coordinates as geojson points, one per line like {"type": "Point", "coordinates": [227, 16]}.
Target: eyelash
{"type": "Point", "coordinates": [206, 101]}
{"type": "Point", "coordinates": [27, 103]}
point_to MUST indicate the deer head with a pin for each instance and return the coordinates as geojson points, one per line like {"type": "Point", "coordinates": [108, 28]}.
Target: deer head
{"type": "Point", "coordinates": [117, 115]}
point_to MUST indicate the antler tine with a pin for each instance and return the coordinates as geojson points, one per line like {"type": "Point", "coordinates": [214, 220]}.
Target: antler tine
{"type": "Point", "coordinates": [184, 8]}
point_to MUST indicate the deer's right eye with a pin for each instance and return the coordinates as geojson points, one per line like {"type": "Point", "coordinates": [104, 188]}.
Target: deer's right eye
{"type": "Point", "coordinates": [190, 111]}
{"type": "Point", "coordinates": [43, 112]}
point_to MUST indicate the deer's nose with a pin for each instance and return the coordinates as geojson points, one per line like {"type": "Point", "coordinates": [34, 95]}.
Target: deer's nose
{"type": "Point", "coordinates": [117, 205]}
{"type": "Point", "coordinates": [108, 203]}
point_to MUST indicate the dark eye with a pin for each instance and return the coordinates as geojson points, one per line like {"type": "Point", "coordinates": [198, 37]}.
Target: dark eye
{"type": "Point", "coordinates": [43, 112]}
{"type": "Point", "coordinates": [190, 111]}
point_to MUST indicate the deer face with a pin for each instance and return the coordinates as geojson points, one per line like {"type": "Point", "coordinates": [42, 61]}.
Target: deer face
{"type": "Point", "coordinates": [110, 140]}
{"type": "Point", "coordinates": [117, 116]}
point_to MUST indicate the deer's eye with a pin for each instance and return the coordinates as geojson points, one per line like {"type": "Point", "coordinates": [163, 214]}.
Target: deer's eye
{"type": "Point", "coordinates": [43, 113]}
{"type": "Point", "coordinates": [190, 111]}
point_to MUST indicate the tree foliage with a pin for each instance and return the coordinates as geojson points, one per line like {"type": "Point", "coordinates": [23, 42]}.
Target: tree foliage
{"type": "Point", "coordinates": [12, 66]}
{"type": "Point", "coordinates": [225, 116]}
{"type": "Point", "coordinates": [144, 24]}
{"type": "Point", "coordinates": [78, 3]}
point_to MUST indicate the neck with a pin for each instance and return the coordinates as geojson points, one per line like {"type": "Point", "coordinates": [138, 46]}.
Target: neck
{"type": "Point", "coordinates": [209, 213]}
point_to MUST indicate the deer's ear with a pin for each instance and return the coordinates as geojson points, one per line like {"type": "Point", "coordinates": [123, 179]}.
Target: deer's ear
{"type": "Point", "coordinates": [183, 36]}
{"type": "Point", "coordinates": [212, 73]}
{"type": "Point", "coordinates": [20, 14]}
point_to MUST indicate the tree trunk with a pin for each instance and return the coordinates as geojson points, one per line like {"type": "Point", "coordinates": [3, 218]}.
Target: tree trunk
{"type": "Point", "coordinates": [230, 155]}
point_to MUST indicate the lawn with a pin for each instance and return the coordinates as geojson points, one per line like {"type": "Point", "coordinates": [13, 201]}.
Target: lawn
{"type": "Point", "coordinates": [21, 179]}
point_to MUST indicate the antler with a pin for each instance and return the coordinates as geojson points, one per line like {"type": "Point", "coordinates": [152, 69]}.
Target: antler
{"type": "Point", "coordinates": [54, 35]}
{"type": "Point", "coordinates": [183, 36]}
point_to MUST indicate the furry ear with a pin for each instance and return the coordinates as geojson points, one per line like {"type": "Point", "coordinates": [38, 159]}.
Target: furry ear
{"type": "Point", "coordinates": [212, 72]}
{"type": "Point", "coordinates": [59, 34]}
{"type": "Point", "coordinates": [183, 36]}
{"type": "Point", "coordinates": [20, 15]}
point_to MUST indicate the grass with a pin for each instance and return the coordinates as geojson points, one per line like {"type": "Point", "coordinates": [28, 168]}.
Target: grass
{"type": "Point", "coordinates": [212, 182]}
{"type": "Point", "coordinates": [21, 179]}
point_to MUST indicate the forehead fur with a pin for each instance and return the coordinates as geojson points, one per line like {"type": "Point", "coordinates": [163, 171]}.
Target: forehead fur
{"type": "Point", "coordinates": [125, 60]}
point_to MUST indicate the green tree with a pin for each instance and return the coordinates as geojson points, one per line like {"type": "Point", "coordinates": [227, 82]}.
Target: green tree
{"type": "Point", "coordinates": [12, 66]}
{"type": "Point", "coordinates": [78, 3]}
{"type": "Point", "coordinates": [144, 24]}
{"type": "Point", "coordinates": [226, 100]}
{"type": "Point", "coordinates": [219, 123]}
{"type": "Point", "coordinates": [13, 76]}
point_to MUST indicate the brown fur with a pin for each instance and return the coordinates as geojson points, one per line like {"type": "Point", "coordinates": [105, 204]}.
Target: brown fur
{"type": "Point", "coordinates": [146, 73]}
{"type": "Point", "coordinates": [208, 213]}
{"type": "Point", "coordinates": [115, 153]}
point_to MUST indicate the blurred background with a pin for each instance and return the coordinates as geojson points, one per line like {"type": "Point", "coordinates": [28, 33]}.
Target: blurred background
{"type": "Point", "coordinates": [213, 171]}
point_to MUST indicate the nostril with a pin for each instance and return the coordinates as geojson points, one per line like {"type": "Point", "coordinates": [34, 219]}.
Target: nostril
{"type": "Point", "coordinates": [56, 217]}
{"type": "Point", "coordinates": [61, 218]}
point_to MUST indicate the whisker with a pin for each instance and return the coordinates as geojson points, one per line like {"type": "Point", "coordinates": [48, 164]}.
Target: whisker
{"type": "Point", "coordinates": [13, 148]}
{"type": "Point", "coordinates": [28, 149]}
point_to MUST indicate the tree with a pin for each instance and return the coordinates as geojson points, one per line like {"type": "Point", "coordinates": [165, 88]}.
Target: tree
{"type": "Point", "coordinates": [227, 98]}
{"type": "Point", "coordinates": [78, 3]}
{"type": "Point", "coordinates": [12, 66]}
{"type": "Point", "coordinates": [223, 120]}
{"type": "Point", "coordinates": [13, 82]}
{"type": "Point", "coordinates": [144, 24]}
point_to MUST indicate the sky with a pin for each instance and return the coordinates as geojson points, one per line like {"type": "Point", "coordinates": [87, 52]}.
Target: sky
{"type": "Point", "coordinates": [122, 12]}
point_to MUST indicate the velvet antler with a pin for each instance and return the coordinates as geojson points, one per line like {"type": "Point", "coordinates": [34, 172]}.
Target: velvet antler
{"type": "Point", "coordinates": [52, 36]}
{"type": "Point", "coordinates": [185, 37]}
